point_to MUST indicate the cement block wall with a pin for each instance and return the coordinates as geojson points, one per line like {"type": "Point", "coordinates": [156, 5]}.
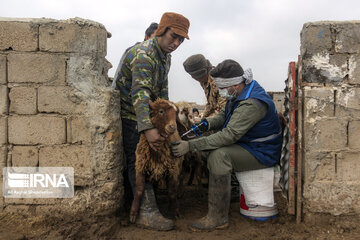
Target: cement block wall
{"type": "Point", "coordinates": [57, 109]}
{"type": "Point", "coordinates": [330, 55]}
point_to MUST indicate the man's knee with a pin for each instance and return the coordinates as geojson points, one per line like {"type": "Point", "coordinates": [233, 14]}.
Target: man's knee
{"type": "Point", "coordinates": [219, 162]}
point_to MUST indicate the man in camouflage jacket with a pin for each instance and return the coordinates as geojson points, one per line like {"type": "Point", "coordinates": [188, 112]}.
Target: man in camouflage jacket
{"type": "Point", "coordinates": [143, 76]}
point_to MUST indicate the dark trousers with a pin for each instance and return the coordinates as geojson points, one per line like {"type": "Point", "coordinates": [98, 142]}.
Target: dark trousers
{"type": "Point", "coordinates": [130, 140]}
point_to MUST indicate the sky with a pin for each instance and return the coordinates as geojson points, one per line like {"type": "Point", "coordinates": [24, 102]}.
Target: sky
{"type": "Point", "coordinates": [263, 35]}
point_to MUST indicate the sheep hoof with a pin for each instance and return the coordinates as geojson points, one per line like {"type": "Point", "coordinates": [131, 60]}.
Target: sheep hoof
{"type": "Point", "coordinates": [132, 218]}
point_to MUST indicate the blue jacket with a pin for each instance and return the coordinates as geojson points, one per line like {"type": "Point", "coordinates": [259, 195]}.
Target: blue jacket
{"type": "Point", "coordinates": [264, 139]}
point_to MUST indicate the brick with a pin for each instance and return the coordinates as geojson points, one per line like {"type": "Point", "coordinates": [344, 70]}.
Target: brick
{"type": "Point", "coordinates": [3, 131]}
{"type": "Point", "coordinates": [57, 100]}
{"type": "Point", "coordinates": [354, 69]}
{"type": "Point", "coordinates": [22, 100]}
{"type": "Point", "coordinates": [78, 131]}
{"type": "Point", "coordinates": [319, 102]}
{"type": "Point", "coordinates": [326, 134]}
{"type": "Point", "coordinates": [348, 102]}
{"type": "Point", "coordinates": [75, 156]}
{"type": "Point", "coordinates": [348, 166]}
{"type": "Point", "coordinates": [24, 156]}
{"type": "Point", "coordinates": [354, 130]}
{"type": "Point", "coordinates": [4, 103]}
{"type": "Point", "coordinates": [36, 68]}
{"type": "Point", "coordinates": [347, 37]}
{"type": "Point", "coordinates": [31, 130]}
{"type": "Point", "coordinates": [315, 38]}
{"type": "Point", "coordinates": [19, 36]}
{"type": "Point", "coordinates": [2, 69]}
{"type": "Point", "coordinates": [65, 37]}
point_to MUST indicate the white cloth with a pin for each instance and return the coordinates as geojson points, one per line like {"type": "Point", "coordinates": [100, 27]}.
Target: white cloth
{"type": "Point", "coordinates": [247, 77]}
{"type": "Point", "coordinates": [258, 186]}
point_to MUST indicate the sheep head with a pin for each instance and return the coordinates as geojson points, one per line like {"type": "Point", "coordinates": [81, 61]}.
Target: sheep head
{"type": "Point", "coordinates": [163, 116]}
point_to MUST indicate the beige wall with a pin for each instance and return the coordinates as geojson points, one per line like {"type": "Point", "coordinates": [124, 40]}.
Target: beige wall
{"type": "Point", "coordinates": [57, 109]}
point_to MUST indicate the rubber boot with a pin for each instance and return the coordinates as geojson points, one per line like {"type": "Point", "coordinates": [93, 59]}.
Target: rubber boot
{"type": "Point", "coordinates": [149, 215]}
{"type": "Point", "coordinates": [218, 205]}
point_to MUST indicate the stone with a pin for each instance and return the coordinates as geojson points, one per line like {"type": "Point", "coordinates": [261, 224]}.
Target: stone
{"type": "Point", "coordinates": [18, 36]}
{"type": "Point", "coordinates": [36, 68]}
{"type": "Point", "coordinates": [354, 69]}
{"type": "Point", "coordinates": [75, 156]}
{"type": "Point", "coordinates": [348, 102]}
{"type": "Point", "coordinates": [58, 99]}
{"type": "Point", "coordinates": [3, 79]}
{"type": "Point", "coordinates": [75, 35]}
{"type": "Point", "coordinates": [319, 102]}
{"type": "Point", "coordinates": [4, 103]}
{"type": "Point", "coordinates": [25, 156]}
{"type": "Point", "coordinates": [3, 130]}
{"type": "Point", "coordinates": [23, 100]}
{"type": "Point", "coordinates": [78, 130]}
{"type": "Point", "coordinates": [347, 37]}
{"type": "Point", "coordinates": [348, 167]}
{"type": "Point", "coordinates": [315, 38]}
{"type": "Point", "coordinates": [32, 130]}
{"type": "Point", "coordinates": [354, 130]}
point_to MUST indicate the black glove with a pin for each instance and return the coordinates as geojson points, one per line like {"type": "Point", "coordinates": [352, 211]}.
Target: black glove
{"type": "Point", "coordinates": [201, 127]}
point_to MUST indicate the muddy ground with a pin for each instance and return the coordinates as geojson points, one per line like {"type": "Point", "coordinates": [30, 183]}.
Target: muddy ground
{"type": "Point", "coordinates": [193, 205]}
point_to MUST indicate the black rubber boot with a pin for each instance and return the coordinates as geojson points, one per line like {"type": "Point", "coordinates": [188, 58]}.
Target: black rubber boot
{"type": "Point", "coordinates": [149, 215]}
{"type": "Point", "coordinates": [219, 204]}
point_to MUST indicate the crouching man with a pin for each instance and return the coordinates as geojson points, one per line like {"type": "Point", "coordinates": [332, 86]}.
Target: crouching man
{"type": "Point", "coordinates": [250, 138]}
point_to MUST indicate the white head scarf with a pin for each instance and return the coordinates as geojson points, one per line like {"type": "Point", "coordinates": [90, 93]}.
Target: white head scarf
{"type": "Point", "coordinates": [247, 77]}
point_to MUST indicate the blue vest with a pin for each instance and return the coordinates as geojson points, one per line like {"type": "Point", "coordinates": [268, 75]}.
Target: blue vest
{"type": "Point", "coordinates": [264, 139]}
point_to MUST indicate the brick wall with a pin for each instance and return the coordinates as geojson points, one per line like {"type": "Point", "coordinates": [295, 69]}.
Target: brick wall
{"type": "Point", "coordinates": [330, 53]}
{"type": "Point", "coordinates": [57, 109]}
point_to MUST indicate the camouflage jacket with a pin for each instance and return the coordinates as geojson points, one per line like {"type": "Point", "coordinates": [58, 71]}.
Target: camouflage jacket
{"type": "Point", "coordinates": [143, 76]}
{"type": "Point", "coordinates": [215, 103]}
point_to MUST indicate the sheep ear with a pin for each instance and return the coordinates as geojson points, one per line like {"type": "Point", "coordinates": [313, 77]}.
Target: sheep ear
{"type": "Point", "coordinates": [152, 105]}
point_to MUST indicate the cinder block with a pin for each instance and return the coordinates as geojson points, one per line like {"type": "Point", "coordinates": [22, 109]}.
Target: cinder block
{"type": "Point", "coordinates": [347, 37]}
{"type": "Point", "coordinates": [24, 156]}
{"type": "Point", "coordinates": [4, 103]}
{"type": "Point", "coordinates": [325, 134]}
{"type": "Point", "coordinates": [319, 166]}
{"type": "Point", "coordinates": [315, 38]}
{"type": "Point", "coordinates": [78, 131]}
{"type": "Point", "coordinates": [325, 68]}
{"type": "Point", "coordinates": [2, 69]}
{"type": "Point", "coordinates": [36, 68]}
{"type": "Point", "coordinates": [354, 69]}
{"type": "Point", "coordinates": [32, 130]}
{"type": "Point", "coordinates": [58, 100]}
{"type": "Point", "coordinates": [75, 156]}
{"type": "Point", "coordinates": [354, 139]}
{"type": "Point", "coordinates": [72, 37]}
{"type": "Point", "coordinates": [348, 166]}
{"type": "Point", "coordinates": [3, 130]}
{"type": "Point", "coordinates": [22, 100]}
{"type": "Point", "coordinates": [348, 102]}
{"type": "Point", "coordinates": [18, 36]}
{"type": "Point", "coordinates": [319, 102]}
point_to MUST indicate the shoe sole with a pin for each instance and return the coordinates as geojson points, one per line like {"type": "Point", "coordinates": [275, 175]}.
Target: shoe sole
{"type": "Point", "coordinates": [262, 219]}
{"type": "Point", "coordinates": [224, 226]}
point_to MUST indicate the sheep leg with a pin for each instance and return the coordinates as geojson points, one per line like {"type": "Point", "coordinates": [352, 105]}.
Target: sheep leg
{"type": "Point", "coordinates": [140, 186]}
{"type": "Point", "coordinates": [173, 185]}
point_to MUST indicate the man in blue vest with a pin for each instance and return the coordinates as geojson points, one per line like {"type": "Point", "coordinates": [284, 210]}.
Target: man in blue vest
{"type": "Point", "coordinates": [250, 138]}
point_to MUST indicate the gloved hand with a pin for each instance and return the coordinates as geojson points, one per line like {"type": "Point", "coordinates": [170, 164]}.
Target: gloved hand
{"type": "Point", "coordinates": [180, 148]}
{"type": "Point", "coordinates": [201, 127]}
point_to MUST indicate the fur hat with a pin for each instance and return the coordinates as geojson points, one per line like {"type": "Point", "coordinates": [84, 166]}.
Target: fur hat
{"type": "Point", "coordinates": [197, 66]}
{"type": "Point", "coordinates": [176, 22]}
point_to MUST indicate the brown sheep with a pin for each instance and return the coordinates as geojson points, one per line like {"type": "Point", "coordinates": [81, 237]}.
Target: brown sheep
{"type": "Point", "coordinates": [155, 165]}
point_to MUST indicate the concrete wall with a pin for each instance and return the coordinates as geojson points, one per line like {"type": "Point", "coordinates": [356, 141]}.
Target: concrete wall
{"type": "Point", "coordinates": [330, 53]}
{"type": "Point", "coordinates": [278, 98]}
{"type": "Point", "coordinates": [57, 109]}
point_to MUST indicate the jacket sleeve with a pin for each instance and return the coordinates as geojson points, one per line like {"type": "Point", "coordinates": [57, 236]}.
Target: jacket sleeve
{"type": "Point", "coordinates": [217, 121]}
{"type": "Point", "coordinates": [141, 91]}
{"type": "Point", "coordinates": [245, 116]}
